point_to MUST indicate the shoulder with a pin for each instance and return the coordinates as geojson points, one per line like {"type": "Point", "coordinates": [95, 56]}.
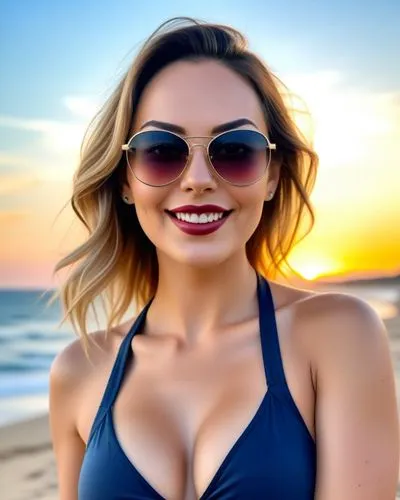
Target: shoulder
{"type": "Point", "coordinates": [329, 316]}
{"type": "Point", "coordinates": [71, 363]}
{"type": "Point", "coordinates": [72, 366]}
{"type": "Point", "coordinates": [332, 328]}
{"type": "Point", "coordinates": [341, 325]}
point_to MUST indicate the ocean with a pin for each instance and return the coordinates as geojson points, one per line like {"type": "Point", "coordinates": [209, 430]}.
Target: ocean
{"type": "Point", "coordinates": [29, 341]}
{"type": "Point", "coordinates": [30, 338]}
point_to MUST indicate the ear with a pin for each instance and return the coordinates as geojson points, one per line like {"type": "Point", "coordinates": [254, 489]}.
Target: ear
{"type": "Point", "coordinates": [273, 175]}
{"type": "Point", "coordinates": [124, 187]}
{"type": "Point", "coordinates": [127, 198]}
{"type": "Point", "coordinates": [126, 194]}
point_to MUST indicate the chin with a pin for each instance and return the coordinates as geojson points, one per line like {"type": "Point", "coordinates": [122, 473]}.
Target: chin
{"type": "Point", "coordinates": [200, 258]}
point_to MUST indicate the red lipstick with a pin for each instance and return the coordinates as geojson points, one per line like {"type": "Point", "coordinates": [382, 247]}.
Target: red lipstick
{"type": "Point", "coordinates": [198, 228]}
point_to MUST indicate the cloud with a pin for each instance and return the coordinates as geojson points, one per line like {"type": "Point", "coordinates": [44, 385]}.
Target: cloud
{"type": "Point", "coordinates": [27, 124]}
{"type": "Point", "coordinates": [351, 125]}
{"type": "Point", "coordinates": [82, 106]}
{"type": "Point", "coordinates": [57, 141]}
{"type": "Point", "coordinates": [56, 136]}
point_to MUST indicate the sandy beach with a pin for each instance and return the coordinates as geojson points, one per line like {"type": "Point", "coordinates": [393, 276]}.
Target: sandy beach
{"type": "Point", "coordinates": [27, 468]}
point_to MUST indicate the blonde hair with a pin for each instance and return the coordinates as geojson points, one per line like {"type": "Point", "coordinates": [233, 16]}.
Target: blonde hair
{"type": "Point", "coordinates": [117, 263]}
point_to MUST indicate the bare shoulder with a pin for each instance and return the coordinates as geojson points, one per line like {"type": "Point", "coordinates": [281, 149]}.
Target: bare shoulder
{"type": "Point", "coordinates": [338, 322]}
{"type": "Point", "coordinates": [330, 316]}
{"type": "Point", "coordinates": [332, 326]}
{"type": "Point", "coordinates": [72, 363]}
{"type": "Point", "coordinates": [73, 369]}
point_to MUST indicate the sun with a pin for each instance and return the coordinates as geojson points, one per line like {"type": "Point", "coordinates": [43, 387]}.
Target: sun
{"type": "Point", "coordinates": [311, 265]}
{"type": "Point", "coordinates": [311, 271]}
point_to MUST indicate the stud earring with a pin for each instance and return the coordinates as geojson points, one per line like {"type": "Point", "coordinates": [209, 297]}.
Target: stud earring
{"type": "Point", "coordinates": [126, 199]}
{"type": "Point", "coordinates": [270, 195]}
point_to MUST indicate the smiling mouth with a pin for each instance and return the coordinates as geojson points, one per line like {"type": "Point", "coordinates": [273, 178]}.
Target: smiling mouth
{"type": "Point", "coordinates": [199, 218]}
{"type": "Point", "coordinates": [198, 224]}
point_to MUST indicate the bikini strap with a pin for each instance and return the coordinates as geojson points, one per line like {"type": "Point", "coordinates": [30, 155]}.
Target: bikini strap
{"type": "Point", "coordinates": [118, 369]}
{"type": "Point", "coordinates": [271, 352]}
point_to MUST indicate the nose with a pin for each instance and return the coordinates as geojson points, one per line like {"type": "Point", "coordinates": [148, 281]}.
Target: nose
{"type": "Point", "coordinates": [198, 175]}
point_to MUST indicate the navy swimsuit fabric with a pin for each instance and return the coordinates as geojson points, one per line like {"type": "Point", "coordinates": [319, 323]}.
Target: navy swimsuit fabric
{"type": "Point", "coordinates": [274, 458]}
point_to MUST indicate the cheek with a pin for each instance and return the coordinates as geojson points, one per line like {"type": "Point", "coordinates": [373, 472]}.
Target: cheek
{"type": "Point", "coordinates": [250, 201]}
{"type": "Point", "coordinates": [148, 204]}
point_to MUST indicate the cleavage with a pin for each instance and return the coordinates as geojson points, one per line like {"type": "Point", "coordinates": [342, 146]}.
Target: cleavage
{"type": "Point", "coordinates": [177, 417]}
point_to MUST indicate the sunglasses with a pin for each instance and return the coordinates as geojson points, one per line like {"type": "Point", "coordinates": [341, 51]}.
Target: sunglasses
{"type": "Point", "coordinates": [159, 157]}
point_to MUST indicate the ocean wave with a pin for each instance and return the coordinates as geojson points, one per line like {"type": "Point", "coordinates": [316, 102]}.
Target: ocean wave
{"type": "Point", "coordinates": [33, 330]}
{"type": "Point", "coordinates": [17, 384]}
{"type": "Point", "coordinates": [26, 365]}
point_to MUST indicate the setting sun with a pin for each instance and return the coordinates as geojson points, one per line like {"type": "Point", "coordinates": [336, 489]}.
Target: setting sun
{"type": "Point", "coordinates": [310, 265]}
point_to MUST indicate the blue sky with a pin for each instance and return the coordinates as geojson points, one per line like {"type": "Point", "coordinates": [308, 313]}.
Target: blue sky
{"type": "Point", "coordinates": [50, 49]}
{"type": "Point", "coordinates": [60, 59]}
{"type": "Point", "coordinates": [55, 48]}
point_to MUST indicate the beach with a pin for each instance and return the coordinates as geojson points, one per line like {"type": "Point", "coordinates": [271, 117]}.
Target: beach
{"type": "Point", "coordinates": [27, 463]}
{"type": "Point", "coordinates": [27, 467]}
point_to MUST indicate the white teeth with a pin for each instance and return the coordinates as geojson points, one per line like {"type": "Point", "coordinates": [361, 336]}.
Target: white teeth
{"type": "Point", "coordinates": [203, 218]}
{"type": "Point", "coordinates": [199, 218]}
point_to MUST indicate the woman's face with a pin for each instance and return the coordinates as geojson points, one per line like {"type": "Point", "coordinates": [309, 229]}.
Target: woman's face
{"type": "Point", "coordinates": [197, 97]}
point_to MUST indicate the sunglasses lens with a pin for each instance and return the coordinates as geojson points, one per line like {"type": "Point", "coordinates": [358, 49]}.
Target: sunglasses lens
{"type": "Point", "coordinates": [240, 156]}
{"type": "Point", "coordinates": [157, 157]}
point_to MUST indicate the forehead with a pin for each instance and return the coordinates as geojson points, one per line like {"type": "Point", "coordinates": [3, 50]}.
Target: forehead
{"type": "Point", "coordinates": [198, 96]}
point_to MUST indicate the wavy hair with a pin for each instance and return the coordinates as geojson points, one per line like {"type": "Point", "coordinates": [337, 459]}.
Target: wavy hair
{"type": "Point", "coordinates": [117, 262]}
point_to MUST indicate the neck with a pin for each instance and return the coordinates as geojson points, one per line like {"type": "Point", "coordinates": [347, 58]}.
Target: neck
{"type": "Point", "coordinates": [191, 304]}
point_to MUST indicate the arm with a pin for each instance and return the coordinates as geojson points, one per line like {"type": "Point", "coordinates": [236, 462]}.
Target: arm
{"type": "Point", "coordinates": [68, 446]}
{"type": "Point", "coordinates": [357, 428]}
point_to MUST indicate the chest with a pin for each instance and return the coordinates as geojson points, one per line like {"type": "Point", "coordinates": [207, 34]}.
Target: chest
{"type": "Point", "coordinates": [178, 418]}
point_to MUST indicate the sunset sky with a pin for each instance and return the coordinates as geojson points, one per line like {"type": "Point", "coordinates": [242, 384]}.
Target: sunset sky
{"type": "Point", "coordinates": [60, 60]}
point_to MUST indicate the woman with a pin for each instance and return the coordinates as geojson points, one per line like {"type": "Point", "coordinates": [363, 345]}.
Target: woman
{"type": "Point", "coordinates": [192, 185]}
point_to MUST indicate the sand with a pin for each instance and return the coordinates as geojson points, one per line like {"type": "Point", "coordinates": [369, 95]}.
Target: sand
{"type": "Point", "coordinates": [27, 467]}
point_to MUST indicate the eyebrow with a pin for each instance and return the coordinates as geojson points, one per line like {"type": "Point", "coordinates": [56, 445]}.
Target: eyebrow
{"type": "Point", "coordinates": [223, 127]}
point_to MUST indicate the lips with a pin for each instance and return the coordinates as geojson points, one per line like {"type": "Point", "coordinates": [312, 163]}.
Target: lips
{"type": "Point", "coordinates": [198, 227]}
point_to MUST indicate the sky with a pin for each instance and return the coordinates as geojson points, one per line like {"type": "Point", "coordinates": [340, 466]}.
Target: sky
{"type": "Point", "coordinates": [60, 60]}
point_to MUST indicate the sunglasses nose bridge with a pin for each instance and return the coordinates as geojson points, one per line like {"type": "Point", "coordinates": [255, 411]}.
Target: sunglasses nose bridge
{"type": "Point", "coordinates": [196, 173]}
{"type": "Point", "coordinates": [193, 145]}
{"type": "Point", "coordinates": [205, 146]}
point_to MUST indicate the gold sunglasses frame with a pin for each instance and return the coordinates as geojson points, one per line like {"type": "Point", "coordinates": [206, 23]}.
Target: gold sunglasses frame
{"type": "Point", "coordinates": [270, 146]}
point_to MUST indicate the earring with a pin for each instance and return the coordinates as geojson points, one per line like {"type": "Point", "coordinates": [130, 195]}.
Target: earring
{"type": "Point", "coordinates": [126, 199]}
{"type": "Point", "coordinates": [270, 195]}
